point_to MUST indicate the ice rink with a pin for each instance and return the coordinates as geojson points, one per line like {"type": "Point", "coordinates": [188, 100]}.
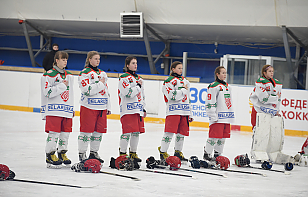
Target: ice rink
{"type": "Point", "coordinates": [22, 144]}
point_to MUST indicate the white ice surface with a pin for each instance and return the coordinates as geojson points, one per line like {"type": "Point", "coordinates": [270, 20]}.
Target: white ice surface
{"type": "Point", "coordinates": [22, 144]}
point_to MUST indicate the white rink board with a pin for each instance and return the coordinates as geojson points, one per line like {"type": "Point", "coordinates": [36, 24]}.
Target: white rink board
{"type": "Point", "coordinates": [23, 89]}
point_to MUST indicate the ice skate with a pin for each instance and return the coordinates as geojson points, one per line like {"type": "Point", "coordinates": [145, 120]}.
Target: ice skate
{"type": "Point", "coordinates": [62, 156]}
{"type": "Point", "coordinates": [134, 157]}
{"type": "Point", "coordinates": [52, 160]}
{"type": "Point", "coordinates": [163, 157]}
{"type": "Point", "coordinates": [94, 155]}
{"type": "Point", "coordinates": [208, 157]}
{"type": "Point", "coordinates": [121, 153]}
{"type": "Point", "coordinates": [180, 155]}
{"type": "Point", "coordinates": [82, 157]}
{"type": "Point", "coordinates": [216, 154]}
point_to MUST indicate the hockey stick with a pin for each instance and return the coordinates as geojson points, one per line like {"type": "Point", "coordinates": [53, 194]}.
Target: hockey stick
{"type": "Point", "coordinates": [120, 175]}
{"type": "Point", "coordinates": [155, 171]}
{"type": "Point", "coordinates": [285, 172]}
{"type": "Point", "coordinates": [244, 172]}
{"type": "Point", "coordinates": [48, 183]}
{"type": "Point", "coordinates": [195, 171]}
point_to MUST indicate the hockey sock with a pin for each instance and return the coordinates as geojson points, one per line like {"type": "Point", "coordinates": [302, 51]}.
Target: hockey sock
{"type": "Point", "coordinates": [210, 143]}
{"type": "Point", "coordinates": [124, 139]}
{"type": "Point", "coordinates": [134, 140]}
{"type": "Point", "coordinates": [63, 141]}
{"type": "Point", "coordinates": [95, 142]}
{"type": "Point", "coordinates": [219, 146]}
{"type": "Point", "coordinates": [166, 141]}
{"type": "Point", "coordinates": [83, 142]}
{"type": "Point", "coordinates": [179, 141]}
{"type": "Point", "coordinates": [51, 142]}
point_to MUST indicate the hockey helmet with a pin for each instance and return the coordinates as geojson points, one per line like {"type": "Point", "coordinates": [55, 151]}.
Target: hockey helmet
{"type": "Point", "coordinates": [124, 162]}
{"type": "Point", "coordinates": [174, 162]}
{"type": "Point", "coordinates": [92, 165]}
{"type": "Point", "coordinates": [242, 160]}
{"type": "Point", "coordinates": [4, 172]}
{"type": "Point", "coordinates": [223, 162]}
{"type": "Point", "coordinates": [288, 166]}
{"type": "Point", "coordinates": [266, 165]}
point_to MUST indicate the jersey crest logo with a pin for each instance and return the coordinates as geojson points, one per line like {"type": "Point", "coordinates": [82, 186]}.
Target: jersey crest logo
{"type": "Point", "coordinates": [65, 95]}
{"type": "Point", "coordinates": [103, 92]}
{"type": "Point", "coordinates": [228, 101]}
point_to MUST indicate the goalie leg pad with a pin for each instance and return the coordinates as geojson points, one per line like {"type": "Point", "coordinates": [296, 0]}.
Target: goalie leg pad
{"type": "Point", "coordinates": [280, 158]}
{"type": "Point", "coordinates": [276, 137]}
{"type": "Point", "coordinates": [260, 137]}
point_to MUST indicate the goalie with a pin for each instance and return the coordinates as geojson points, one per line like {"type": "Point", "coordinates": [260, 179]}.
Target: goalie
{"type": "Point", "coordinates": [267, 124]}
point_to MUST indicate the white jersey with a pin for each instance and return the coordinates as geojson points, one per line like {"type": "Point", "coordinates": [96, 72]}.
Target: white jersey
{"type": "Point", "coordinates": [131, 96]}
{"type": "Point", "coordinates": [264, 96]}
{"type": "Point", "coordinates": [94, 93]}
{"type": "Point", "coordinates": [177, 98]}
{"type": "Point", "coordinates": [57, 99]}
{"type": "Point", "coordinates": [218, 104]}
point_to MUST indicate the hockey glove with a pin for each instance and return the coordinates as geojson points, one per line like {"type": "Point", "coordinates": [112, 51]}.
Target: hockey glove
{"type": "Point", "coordinates": [11, 176]}
{"type": "Point", "coordinates": [194, 162]}
{"type": "Point", "coordinates": [267, 165]}
{"type": "Point", "coordinates": [203, 164]}
{"type": "Point", "coordinates": [151, 162]}
{"type": "Point", "coordinates": [112, 163]}
{"type": "Point", "coordinates": [136, 164]}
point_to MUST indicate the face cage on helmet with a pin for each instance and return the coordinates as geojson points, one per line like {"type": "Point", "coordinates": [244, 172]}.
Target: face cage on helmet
{"type": "Point", "coordinates": [126, 165]}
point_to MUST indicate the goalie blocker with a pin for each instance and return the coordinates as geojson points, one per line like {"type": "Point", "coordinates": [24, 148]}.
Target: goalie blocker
{"type": "Point", "coordinates": [268, 139]}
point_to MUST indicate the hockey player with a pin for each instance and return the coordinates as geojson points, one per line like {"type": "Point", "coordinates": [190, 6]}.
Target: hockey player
{"type": "Point", "coordinates": [268, 131]}
{"type": "Point", "coordinates": [178, 112]}
{"type": "Point", "coordinates": [94, 107]}
{"type": "Point", "coordinates": [302, 157]}
{"type": "Point", "coordinates": [132, 108]}
{"type": "Point", "coordinates": [219, 109]}
{"type": "Point", "coordinates": [57, 109]}
{"type": "Point", "coordinates": [304, 150]}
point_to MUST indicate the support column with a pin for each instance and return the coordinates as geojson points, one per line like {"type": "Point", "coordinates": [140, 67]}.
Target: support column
{"type": "Point", "coordinates": [149, 52]}
{"type": "Point", "coordinates": [184, 64]}
{"type": "Point", "coordinates": [28, 43]}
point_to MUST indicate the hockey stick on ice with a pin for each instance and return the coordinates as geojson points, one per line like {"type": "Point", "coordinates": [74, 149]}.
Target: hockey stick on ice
{"type": "Point", "coordinates": [244, 172]}
{"type": "Point", "coordinates": [285, 172]}
{"type": "Point", "coordinates": [120, 175]}
{"type": "Point", "coordinates": [155, 171]}
{"type": "Point", "coordinates": [282, 171]}
{"type": "Point", "coordinates": [48, 183]}
{"type": "Point", "coordinates": [196, 171]}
